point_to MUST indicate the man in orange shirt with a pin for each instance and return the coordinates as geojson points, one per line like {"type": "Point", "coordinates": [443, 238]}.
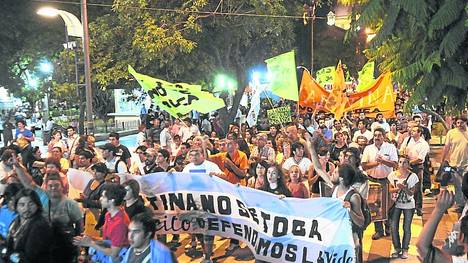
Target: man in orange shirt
{"type": "Point", "coordinates": [234, 164]}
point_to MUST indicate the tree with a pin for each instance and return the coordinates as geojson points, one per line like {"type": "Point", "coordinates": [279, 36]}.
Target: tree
{"type": "Point", "coordinates": [424, 43]}
{"type": "Point", "coordinates": [188, 45]}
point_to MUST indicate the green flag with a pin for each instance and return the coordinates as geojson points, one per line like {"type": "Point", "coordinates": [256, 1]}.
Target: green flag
{"type": "Point", "coordinates": [366, 76]}
{"type": "Point", "coordinates": [282, 70]}
{"type": "Point", "coordinates": [177, 99]}
{"type": "Point", "coordinates": [325, 75]}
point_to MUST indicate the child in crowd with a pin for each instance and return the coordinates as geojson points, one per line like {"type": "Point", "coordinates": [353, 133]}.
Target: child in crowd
{"type": "Point", "coordinates": [295, 186]}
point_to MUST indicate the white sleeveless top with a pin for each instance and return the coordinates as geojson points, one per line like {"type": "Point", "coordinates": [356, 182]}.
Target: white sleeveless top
{"type": "Point", "coordinates": [342, 197]}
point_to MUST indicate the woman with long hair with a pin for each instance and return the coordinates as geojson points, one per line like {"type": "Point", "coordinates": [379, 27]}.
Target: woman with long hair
{"type": "Point", "coordinates": [275, 182]}
{"type": "Point", "coordinates": [30, 234]}
{"type": "Point", "coordinates": [257, 178]}
{"type": "Point", "coordinates": [402, 187]}
{"type": "Point", "coordinates": [295, 184]}
{"type": "Point", "coordinates": [56, 141]}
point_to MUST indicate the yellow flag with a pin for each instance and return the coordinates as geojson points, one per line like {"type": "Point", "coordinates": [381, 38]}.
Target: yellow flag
{"type": "Point", "coordinates": [380, 98]}
{"type": "Point", "coordinates": [337, 100]}
{"type": "Point", "coordinates": [311, 95]}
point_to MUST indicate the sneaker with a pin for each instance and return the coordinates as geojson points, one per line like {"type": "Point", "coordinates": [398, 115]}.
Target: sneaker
{"type": "Point", "coordinates": [404, 255]}
{"type": "Point", "coordinates": [395, 254]}
{"type": "Point", "coordinates": [377, 235]}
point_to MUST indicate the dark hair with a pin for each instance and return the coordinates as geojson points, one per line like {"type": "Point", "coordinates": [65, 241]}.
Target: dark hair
{"type": "Point", "coordinates": [71, 127]}
{"type": "Point", "coordinates": [147, 222]}
{"type": "Point", "coordinates": [54, 176]}
{"type": "Point", "coordinates": [296, 145]}
{"type": "Point", "coordinates": [10, 191]}
{"type": "Point", "coordinates": [465, 185]}
{"type": "Point", "coordinates": [378, 114]}
{"type": "Point", "coordinates": [25, 192]}
{"type": "Point", "coordinates": [262, 163]}
{"type": "Point", "coordinates": [116, 192]}
{"type": "Point", "coordinates": [114, 134]}
{"type": "Point", "coordinates": [416, 117]}
{"type": "Point", "coordinates": [186, 144]}
{"type": "Point", "coordinates": [57, 131]}
{"type": "Point", "coordinates": [464, 228]}
{"type": "Point", "coordinates": [362, 121]}
{"type": "Point", "coordinates": [142, 148]}
{"type": "Point", "coordinates": [53, 161]}
{"type": "Point", "coordinates": [348, 173]}
{"type": "Point", "coordinates": [57, 147]}
{"type": "Point", "coordinates": [165, 153]}
{"type": "Point", "coordinates": [100, 167]}
{"type": "Point", "coordinates": [180, 158]}
{"type": "Point", "coordinates": [134, 185]}
{"type": "Point", "coordinates": [282, 188]}
{"type": "Point", "coordinates": [21, 121]}
{"type": "Point", "coordinates": [7, 154]}
{"type": "Point", "coordinates": [86, 153]}
{"type": "Point", "coordinates": [380, 129]}
{"type": "Point", "coordinates": [356, 156]}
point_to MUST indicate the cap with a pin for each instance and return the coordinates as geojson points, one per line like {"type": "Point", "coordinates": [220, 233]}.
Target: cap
{"type": "Point", "coordinates": [109, 147]}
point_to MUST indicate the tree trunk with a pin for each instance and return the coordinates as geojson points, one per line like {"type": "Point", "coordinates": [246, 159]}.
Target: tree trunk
{"type": "Point", "coordinates": [228, 117]}
{"type": "Point", "coordinates": [426, 110]}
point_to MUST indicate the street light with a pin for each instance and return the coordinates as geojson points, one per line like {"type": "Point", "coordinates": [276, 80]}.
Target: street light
{"type": "Point", "coordinates": [47, 69]}
{"type": "Point", "coordinates": [74, 28]}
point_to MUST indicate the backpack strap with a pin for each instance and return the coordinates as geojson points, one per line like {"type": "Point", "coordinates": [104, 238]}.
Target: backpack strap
{"type": "Point", "coordinates": [349, 194]}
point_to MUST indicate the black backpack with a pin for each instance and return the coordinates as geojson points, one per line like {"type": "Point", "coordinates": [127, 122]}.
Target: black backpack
{"type": "Point", "coordinates": [364, 208]}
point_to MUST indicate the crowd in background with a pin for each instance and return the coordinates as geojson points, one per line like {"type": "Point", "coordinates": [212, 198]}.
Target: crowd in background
{"type": "Point", "coordinates": [313, 156]}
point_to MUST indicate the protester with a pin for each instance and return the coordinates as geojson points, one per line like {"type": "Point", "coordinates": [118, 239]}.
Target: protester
{"type": "Point", "coordinates": [143, 248]}
{"type": "Point", "coordinates": [416, 148]}
{"type": "Point", "coordinates": [114, 231]}
{"type": "Point", "coordinates": [298, 158]}
{"type": "Point", "coordinates": [402, 187]}
{"type": "Point", "coordinates": [122, 150]}
{"type": "Point", "coordinates": [56, 141]}
{"type": "Point", "coordinates": [347, 178]}
{"type": "Point", "coordinates": [426, 250]}
{"type": "Point", "coordinates": [114, 163]}
{"type": "Point", "coordinates": [261, 151]}
{"type": "Point", "coordinates": [274, 182]}
{"type": "Point", "coordinates": [72, 142]}
{"type": "Point", "coordinates": [455, 152]}
{"type": "Point", "coordinates": [23, 244]}
{"type": "Point", "coordinates": [378, 160]}
{"type": "Point", "coordinates": [295, 184]}
{"type": "Point", "coordinates": [134, 203]}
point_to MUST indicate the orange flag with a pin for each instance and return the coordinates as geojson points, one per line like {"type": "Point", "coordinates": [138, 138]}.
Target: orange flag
{"type": "Point", "coordinates": [379, 97]}
{"type": "Point", "coordinates": [337, 100]}
{"type": "Point", "coordinates": [311, 95]}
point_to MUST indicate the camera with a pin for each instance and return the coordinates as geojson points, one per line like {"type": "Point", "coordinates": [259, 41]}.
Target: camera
{"type": "Point", "coordinates": [445, 173]}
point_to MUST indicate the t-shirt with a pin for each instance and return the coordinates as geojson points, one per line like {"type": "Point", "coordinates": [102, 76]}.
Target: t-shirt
{"type": "Point", "coordinates": [368, 134]}
{"type": "Point", "coordinates": [304, 164]}
{"type": "Point", "coordinates": [238, 158]}
{"type": "Point", "coordinates": [405, 201]}
{"type": "Point", "coordinates": [458, 140]}
{"type": "Point", "coordinates": [387, 151]}
{"type": "Point", "coordinates": [115, 229]}
{"type": "Point", "coordinates": [124, 153]}
{"type": "Point", "coordinates": [205, 167]}
{"type": "Point", "coordinates": [6, 218]}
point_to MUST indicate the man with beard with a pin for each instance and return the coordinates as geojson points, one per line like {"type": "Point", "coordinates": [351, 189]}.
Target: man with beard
{"type": "Point", "coordinates": [380, 122]}
{"type": "Point", "coordinates": [378, 160]}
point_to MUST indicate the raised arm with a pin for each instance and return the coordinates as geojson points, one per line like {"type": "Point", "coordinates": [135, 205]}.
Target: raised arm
{"type": "Point", "coordinates": [426, 236]}
{"type": "Point", "coordinates": [316, 162]}
{"type": "Point", "coordinates": [23, 175]}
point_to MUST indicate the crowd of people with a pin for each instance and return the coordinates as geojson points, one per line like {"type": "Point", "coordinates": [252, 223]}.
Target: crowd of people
{"type": "Point", "coordinates": [313, 156]}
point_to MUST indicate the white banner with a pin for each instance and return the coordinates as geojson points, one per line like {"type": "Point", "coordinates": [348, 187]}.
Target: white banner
{"type": "Point", "coordinates": [276, 230]}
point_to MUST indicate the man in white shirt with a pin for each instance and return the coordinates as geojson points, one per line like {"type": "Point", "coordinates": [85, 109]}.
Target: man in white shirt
{"type": "Point", "coordinates": [380, 122]}
{"type": "Point", "coordinates": [362, 131]}
{"type": "Point", "coordinates": [113, 163]}
{"type": "Point", "coordinates": [72, 142]}
{"type": "Point", "coordinates": [378, 160]}
{"type": "Point", "coordinates": [188, 130]}
{"type": "Point", "coordinates": [165, 138]}
{"type": "Point", "coordinates": [304, 163]}
{"type": "Point", "coordinates": [198, 164]}
{"type": "Point", "coordinates": [416, 148]}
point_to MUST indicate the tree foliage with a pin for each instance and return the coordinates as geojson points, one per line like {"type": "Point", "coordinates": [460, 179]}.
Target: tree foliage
{"type": "Point", "coordinates": [424, 43]}
{"type": "Point", "coordinates": [188, 45]}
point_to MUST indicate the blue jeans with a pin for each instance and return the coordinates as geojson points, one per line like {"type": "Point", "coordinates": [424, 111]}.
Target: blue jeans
{"type": "Point", "coordinates": [407, 219]}
{"type": "Point", "coordinates": [457, 182]}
